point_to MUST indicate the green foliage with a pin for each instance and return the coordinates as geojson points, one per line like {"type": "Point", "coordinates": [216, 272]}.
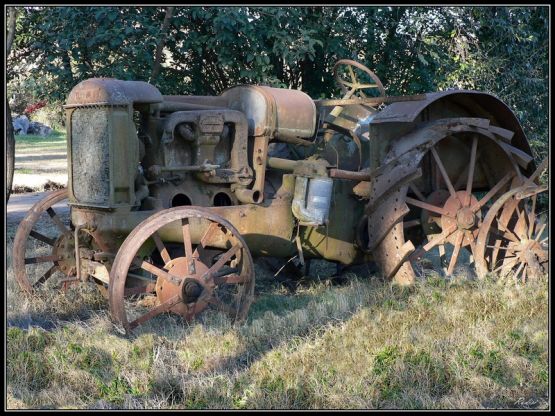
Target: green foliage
{"type": "Point", "coordinates": [501, 50]}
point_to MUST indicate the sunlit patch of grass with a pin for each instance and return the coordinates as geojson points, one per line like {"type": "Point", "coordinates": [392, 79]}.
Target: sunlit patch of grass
{"type": "Point", "coordinates": [442, 343]}
{"type": "Point", "coordinates": [57, 139]}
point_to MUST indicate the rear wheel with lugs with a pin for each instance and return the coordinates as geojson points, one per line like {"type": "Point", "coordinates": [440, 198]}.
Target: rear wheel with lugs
{"type": "Point", "coordinates": [434, 189]}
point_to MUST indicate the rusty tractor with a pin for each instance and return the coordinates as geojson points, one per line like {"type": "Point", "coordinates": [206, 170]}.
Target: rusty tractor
{"type": "Point", "coordinates": [171, 196]}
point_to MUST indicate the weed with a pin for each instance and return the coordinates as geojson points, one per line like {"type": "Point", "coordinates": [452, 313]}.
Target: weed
{"type": "Point", "coordinates": [384, 359]}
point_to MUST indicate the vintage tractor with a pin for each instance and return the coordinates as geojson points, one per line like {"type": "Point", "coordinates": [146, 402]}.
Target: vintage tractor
{"type": "Point", "coordinates": [171, 196]}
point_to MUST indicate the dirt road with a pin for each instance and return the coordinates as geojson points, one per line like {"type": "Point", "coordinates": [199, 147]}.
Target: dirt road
{"type": "Point", "coordinates": [20, 204]}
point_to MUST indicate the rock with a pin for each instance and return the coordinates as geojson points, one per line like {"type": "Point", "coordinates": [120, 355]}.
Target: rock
{"type": "Point", "coordinates": [20, 124]}
{"type": "Point", "coordinates": [38, 128]}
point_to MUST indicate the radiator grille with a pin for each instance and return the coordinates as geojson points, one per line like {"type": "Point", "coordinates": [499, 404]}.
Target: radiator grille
{"type": "Point", "coordinates": [90, 155]}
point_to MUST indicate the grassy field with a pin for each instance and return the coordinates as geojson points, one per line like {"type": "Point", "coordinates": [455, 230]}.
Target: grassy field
{"type": "Point", "coordinates": [40, 162]}
{"type": "Point", "coordinates": [365, 345]}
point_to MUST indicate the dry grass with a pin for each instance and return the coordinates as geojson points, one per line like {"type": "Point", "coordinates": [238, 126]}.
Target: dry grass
{"type": "Point", "coordinates": [366, 345]}
{"type": "Point", "coordinates": [457, 344]}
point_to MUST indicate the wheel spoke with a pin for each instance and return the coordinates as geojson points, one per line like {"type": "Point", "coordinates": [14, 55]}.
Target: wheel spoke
{"type": "Point", "coordinates": [221, 261]}
{"type": "Point", "coordinates": [365, 86]}
{"type": "Point", "coordinates": [524, 274]}
{"type": "Point", "coordinates": [502, 248]}
{"type": "Point", "coordinates": [438, 239]}
{"type": "Point", "coordinates": [417, 192]}
{"type": "Point", "coordinates": [520, 229]}
{"type": "Point", "coordinates": [225, 272]}
{"type": "Point", "coordinates": [470, 179]}
{"type": "Point", "coordinates": [161, 248]}
{"type": "Point", "coordinates": [472, 249]}
{"type": "Point", "coordinates": [140, 277]}
{"type": "Point", "coordinates": [159, 272]}
{"type": "Point", "coordinates": [455, 255]}
{"type": "Point", "coordinates": [510, 262]}
{"type": "Point", "coordinates": [540, 231]}
{"type": "Point", "coordinates": [443, 173]}
{"type": "Point", "coordinates": [444, 235]}
{"type": "Point", "coordinates": [63, 229]}
{"type": "Point", "coordinates": [510, 235]}
{"type": "Point", "coordinates": [41, 259]}
{"type": "Point", "coordinates": [520, 267]}
{"type": "Point", "coordinates": [45, 276]}
{"type": "Point", "coordinates": [411, 223]}
{"type": "Point", "coordinates": [348, 95]}
{"type": "Point", "coordinates": [233, 278]}
{"type": "Point", "coordinates": [477, 205]}
{"type": "Point", "coordinates": [187, 238]}
{"type": "Point", "coordinates": [352, 73]}
{"type": "Point", "coordinates": [532, 218]}
{"type": "Point", "coordinates": [38, 236]}
{"type": "Point", "coordinates": [164, 307]}
{"type": "Point", "coordinates": [441, 249]}
{"type": "Point", "coordinates": [426, 206]}
{"type": "Point", "coordinates": [460, 182]}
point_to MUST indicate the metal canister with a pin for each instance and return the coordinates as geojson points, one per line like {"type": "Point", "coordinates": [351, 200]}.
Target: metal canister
{"type": "Point", "coordinates": [314, 208]}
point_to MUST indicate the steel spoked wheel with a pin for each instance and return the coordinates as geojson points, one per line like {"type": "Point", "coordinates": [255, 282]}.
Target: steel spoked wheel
{"type": "Point", "coordinates": [350, 83]}
{"type": "Point", "coordinates": [433, 191]}
{"type": "Point", "coordinates": [451, 214]}
{"type": "Point", "coordinates": [44, 248]}
{"type": "Point", "coordinates": [513, 238]}
{"type": "Point", "coordinates": [183, 260]}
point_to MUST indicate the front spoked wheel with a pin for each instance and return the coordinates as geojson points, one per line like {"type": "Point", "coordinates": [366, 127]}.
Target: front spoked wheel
{"type": "Point", "coordinates": [183, 260]}
{"type": "Point", "coordinates": [44, 247]}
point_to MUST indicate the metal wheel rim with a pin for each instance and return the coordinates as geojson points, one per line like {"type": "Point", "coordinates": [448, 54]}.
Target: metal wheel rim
{"type": "Point", "coordinates": [136, 239]}
{"type": "Point", "coordinates": [24, 232]}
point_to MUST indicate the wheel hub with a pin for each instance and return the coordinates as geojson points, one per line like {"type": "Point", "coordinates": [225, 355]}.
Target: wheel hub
{"type": "Point", "coordinates": [191, 289]}
{"type": "Point", "coordinates": [462, 217]}
{"type": "Point", "coordinates": [466, 218]}
{"type": "Point", "coordinates": [64, 249]}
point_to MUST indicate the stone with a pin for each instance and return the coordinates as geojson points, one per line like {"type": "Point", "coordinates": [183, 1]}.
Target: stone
{"type": "Point", "coordinates": [20, 124]}
{"type": "Point", "coordinates": [38, 128]}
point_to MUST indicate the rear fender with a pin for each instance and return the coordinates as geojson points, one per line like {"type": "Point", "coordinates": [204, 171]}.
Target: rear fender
{"type": "Point", "coordinates": [470, 104]}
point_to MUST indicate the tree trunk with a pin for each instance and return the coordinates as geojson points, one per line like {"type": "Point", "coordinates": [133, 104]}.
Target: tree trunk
{"type": "Point", "coordinates": [160, 45]}
{"type": "Point", "coordinates": [10, 139]}
{"type": "Point", "coordinates": [10, 151]}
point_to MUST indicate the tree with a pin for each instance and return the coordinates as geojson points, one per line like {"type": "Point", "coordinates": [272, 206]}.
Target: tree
{"type": "Point", "coordinates": [10, 138]}
{"type": "Point", "coordinates": [208, 49]}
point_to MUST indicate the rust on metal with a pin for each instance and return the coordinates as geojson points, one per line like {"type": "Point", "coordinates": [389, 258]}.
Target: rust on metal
{"type": "Point", "coordinates": [350, 175]}
{"type": "Point", "coordinates": [171, 196]}
{"type": "Point", "coordinates": [109, 91]}
{"type": "Point", "coordinates": [369, 100]}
